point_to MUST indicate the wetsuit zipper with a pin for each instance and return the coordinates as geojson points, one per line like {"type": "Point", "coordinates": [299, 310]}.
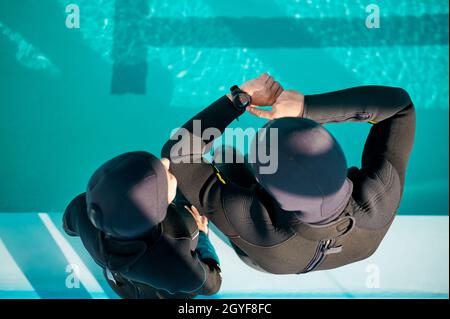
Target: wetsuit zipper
{"type": "Point", "coordinates": [318, 256]}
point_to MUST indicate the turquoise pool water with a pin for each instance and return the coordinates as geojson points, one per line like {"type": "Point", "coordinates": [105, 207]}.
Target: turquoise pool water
{"type": "Point", "coordinates": [72, 98]}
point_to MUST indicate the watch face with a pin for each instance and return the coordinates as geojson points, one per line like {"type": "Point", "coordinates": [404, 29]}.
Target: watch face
{"type": "Point", "coordinates": [244, 99]}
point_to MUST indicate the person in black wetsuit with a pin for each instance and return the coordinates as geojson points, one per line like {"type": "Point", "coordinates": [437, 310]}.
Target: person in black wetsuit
{"type": "Point", "coordinates": [312, 213]}
{"type": "Point", "coordinates": [149, 243]}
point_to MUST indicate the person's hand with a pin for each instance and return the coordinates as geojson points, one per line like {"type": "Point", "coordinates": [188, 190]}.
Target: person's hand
{"type": "Point", "coordinates": [202, 221]}
{"type": "Point", "coordinates": [264, 90]}
{"type": "Point", "coordinates": [290, 103]}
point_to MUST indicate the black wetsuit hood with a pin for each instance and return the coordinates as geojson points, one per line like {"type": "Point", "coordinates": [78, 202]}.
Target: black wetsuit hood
{"type": "Point", "coordinates": [311, 177]}
{"type": "Point", "coordinates": [127, 196]}
{"type": "Point", "coordinates": [164, 260]}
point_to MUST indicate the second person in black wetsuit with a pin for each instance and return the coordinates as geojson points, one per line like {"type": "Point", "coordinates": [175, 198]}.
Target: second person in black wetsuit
{"type": "Point", "coordinates": [298, 220]}
{"type": "Point", "coordinates": [148, 242]}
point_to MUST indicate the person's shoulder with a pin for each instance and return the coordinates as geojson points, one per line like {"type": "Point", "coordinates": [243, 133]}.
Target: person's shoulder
{"type": "Point", "coordinates": [179, 223]}
{"type": "Point", "coordinates": [241, 201]}
{"type": "Point", "coordinates": [236, 193]}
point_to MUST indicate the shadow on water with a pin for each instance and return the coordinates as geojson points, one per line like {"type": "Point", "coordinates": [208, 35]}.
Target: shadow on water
{"type": "Point", "coordinates": [129, 51]}
{"type": "Point", "coordinates": [287, 32]}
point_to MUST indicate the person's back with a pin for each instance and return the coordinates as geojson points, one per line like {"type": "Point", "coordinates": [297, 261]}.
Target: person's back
{"type": "Point", "coordinates": [311, 214]}
{"type": "Point", "coordinates": [346, 212]}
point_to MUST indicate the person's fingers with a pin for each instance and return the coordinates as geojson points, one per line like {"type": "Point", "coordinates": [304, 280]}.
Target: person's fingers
{"type": "Point", "coordinates": [194, 214]}
{"type": "Point", "coordinates": [278, 91]}
{"type": "Point", "coordinates": [264, 76]}
{"type": "Point", "coordinates": [195, 210]}
{"type": "Point", "coordinates": [274, 87]}
{"type": "Point", "coordinates": [266, 114]}
{"type": "Point", "coordinates": [272, 92]}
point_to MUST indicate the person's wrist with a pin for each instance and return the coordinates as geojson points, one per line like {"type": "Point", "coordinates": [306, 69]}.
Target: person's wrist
{"type": "Point", "coordinates": [232, 97]}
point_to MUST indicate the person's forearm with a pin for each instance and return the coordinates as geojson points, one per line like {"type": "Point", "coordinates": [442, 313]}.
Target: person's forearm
{"type": "Point", "coordinates": [205, 249]}
{"type": "Point", "coordinates": [359, 104]}
{"type": "Point", "coordinates": [390, 109]}
{"type": "Point", "coordinates": [213, 281]}
{"type": "Point", "coordinates": [208, 256]}
{"type": "Point", "coordinates": [216, 116]}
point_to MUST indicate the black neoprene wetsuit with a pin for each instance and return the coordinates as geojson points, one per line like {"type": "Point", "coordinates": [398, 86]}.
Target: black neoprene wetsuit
{"type": "Point", "coordinates": [273, 239]}
{"type": "Point", "coordinates": [174, 261]}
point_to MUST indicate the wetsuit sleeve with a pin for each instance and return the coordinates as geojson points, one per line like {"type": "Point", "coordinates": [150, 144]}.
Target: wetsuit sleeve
{"type": "Point", "coordinates": [378, 185]}
{"type": "Point", "coordinates": [205, 250]}
{"type": "Point", "coordinates": [197, 135]}
{"type": "Point", "coordinates": [198, 180]}
{"type": "Point", "coordinates": [177, 273]}
{"type": "Point", "coordinates": [213, 273]}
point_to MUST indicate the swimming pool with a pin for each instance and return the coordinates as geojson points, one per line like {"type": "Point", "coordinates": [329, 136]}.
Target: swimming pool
{"type": "Point", "coordinates": [71, 98]}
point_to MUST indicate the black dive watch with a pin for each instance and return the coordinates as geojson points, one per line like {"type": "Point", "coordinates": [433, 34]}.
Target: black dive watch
{"type": "Point", "coordinates": [241, 99]}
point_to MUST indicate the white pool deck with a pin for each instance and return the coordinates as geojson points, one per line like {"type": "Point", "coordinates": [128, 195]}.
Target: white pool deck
{"type": "Point", "coordinates": [411, 262]}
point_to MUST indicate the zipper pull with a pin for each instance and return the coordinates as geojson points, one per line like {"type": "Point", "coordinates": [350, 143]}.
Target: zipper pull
{"type": "Point", "coordinates": [333, 250]}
